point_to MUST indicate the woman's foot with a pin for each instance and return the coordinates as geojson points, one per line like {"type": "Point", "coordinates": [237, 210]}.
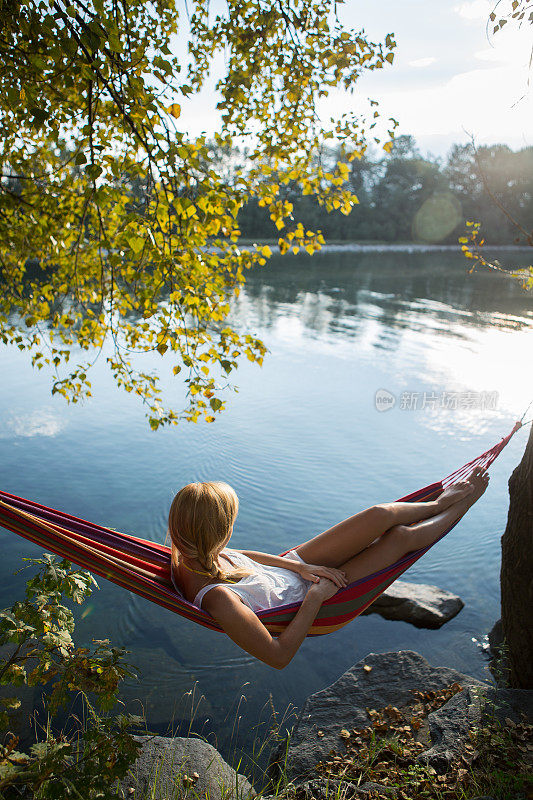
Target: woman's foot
{"type": "Point", "coordinates": [424, 533]}
{"type": "Point", "coordinates": [454, 493]}
{"type": "Point", "coordinates": [479, 479]}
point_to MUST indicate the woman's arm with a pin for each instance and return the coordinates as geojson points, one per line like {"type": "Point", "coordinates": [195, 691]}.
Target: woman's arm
{"type": "Point", "coordinates": [311, 572]}
{"type": "Point", "coordinates": [272, 561]}
{"type": "Point", "coordinates": [246, 630]}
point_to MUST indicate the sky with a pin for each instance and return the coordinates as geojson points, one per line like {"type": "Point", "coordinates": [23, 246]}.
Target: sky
{"type": "Point", "coordinates": [451, 78]}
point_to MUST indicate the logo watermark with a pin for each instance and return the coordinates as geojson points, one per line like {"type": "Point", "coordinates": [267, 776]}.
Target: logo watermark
{"type": "Point", "coordinates": [384, 400]}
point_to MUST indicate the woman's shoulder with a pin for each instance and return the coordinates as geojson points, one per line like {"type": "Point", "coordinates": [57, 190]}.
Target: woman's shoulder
{"type": "Point", "coordinates": [220, 600]}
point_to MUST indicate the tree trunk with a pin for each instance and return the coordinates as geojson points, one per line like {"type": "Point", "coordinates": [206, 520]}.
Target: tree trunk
{"type": "Point", "coordinates": [517, 574]}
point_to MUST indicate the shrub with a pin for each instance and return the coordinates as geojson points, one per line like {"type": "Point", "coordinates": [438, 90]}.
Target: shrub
{"type": "Point", "coordinates": [36, 635]}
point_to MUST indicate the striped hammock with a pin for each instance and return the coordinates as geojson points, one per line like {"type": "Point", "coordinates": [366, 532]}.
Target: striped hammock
{"type": "Point", "coordinates": [143, 567]}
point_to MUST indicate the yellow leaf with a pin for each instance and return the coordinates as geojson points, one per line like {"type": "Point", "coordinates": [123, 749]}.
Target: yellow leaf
{"type": "Point", "coordinates": [174, 110]}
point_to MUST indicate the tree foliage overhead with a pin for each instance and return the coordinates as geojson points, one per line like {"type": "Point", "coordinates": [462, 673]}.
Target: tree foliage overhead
{"type": "Point", "coordinates": [116, 227]}
{"type": "Point", "coordinates": [516, 14]}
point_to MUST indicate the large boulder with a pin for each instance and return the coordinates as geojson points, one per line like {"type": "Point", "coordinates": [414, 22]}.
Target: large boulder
{"type": "Point", "coordinates": [183, 768]}
{"type": "Point", "coordinates": [421, 604]}
{"type": "Point", "coordinates": [390, 679]}
{"type": "Point", "coordinates": [379, 680]}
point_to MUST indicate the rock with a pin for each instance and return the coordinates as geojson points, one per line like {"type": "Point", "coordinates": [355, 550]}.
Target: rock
{"type": "Point", "coordinates": [342, 790]}
{"type": "Point", "coordinates": [421, 604]}
{"type": "Point", "coordinates": [319, 790]}
{"type": "Point", "coordinates": [370, 788]}
{"type": "Point", "coordinates": [449, 727]}
{"type": "Point", "coordinates": [385, 679]}
{"type": "Point", "coordinates": [183, 768]}
{"type": "Point", "coordinates": [508, 704]}
{"type": "Point", "coordinates": [390, 681]}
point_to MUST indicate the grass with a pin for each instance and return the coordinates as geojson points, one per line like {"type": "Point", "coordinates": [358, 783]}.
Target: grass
{"type": "Point", "coordinates": [172, 779]}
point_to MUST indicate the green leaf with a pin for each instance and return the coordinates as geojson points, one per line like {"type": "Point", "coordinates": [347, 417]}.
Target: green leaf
{"type": "Point", "coordinates": [136, 243]}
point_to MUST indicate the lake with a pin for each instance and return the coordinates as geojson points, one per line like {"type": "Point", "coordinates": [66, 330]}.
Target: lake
{"type": "Point", "coordinates": [304, 446]}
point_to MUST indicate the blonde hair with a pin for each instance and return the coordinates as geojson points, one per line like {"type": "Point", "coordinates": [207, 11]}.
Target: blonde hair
{"type": "Point", "coordinates": [199, 522]}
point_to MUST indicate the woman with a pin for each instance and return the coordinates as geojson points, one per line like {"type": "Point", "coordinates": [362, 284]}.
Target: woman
{"type": "Point", "coordinates": [231, 584]}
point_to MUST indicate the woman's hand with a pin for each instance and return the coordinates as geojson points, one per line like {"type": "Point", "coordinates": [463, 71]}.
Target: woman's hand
{"type": "Point", "coordinates": [324, 589]}
{"type": "Point", "coordinates": [313, 572]}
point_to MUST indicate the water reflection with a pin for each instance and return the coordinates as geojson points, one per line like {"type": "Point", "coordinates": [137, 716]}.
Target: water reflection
{"type": "Point", "coordinates": [38, 422]}
{"type": "Point", "coordinates": [336, 293]}
{"type": "Point", "coordinates": [431, 323]}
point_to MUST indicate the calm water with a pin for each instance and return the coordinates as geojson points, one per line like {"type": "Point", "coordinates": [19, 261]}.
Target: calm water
{"type": "Point", "coordinates": [304, 447]}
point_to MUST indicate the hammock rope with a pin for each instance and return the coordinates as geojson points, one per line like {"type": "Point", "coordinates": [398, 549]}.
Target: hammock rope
{"type": "Point", "coordinates": [143, 567]}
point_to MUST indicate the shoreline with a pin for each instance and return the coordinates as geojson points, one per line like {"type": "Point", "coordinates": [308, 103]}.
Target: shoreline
{"type": "Point", "coordinates": [384, 247]}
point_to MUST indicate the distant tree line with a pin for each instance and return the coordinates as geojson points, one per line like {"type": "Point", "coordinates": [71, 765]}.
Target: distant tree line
{"type": "Point", "coordinates": [407, 197]}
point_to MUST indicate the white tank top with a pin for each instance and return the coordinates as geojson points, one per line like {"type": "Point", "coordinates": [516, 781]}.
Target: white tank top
{"type": "Point", "coordinates": [266, 587]}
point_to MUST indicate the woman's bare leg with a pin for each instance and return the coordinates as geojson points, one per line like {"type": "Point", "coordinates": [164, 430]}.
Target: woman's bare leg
{"type": "Point", "coordinates": [403, 539]}
{"type": "Point", "coordinates": [344, 540]}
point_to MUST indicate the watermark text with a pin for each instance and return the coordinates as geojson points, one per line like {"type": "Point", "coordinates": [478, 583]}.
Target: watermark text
{"type": "Point", "coordinates": [384, 400]}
